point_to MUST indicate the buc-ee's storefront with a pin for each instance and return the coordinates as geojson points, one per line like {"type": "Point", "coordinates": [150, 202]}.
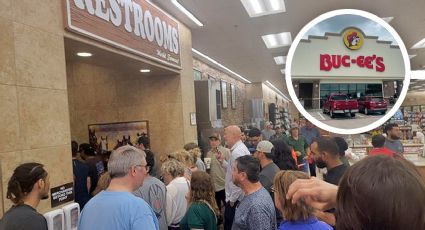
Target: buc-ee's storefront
{"type": "Point", "coordinates": [350, 63]}
{"type": "Point", "coordinates": [133, 76]}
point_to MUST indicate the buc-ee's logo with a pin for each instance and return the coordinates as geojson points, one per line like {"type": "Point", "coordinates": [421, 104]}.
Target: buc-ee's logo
{"type": "Point", "coordinates": [353, 39]}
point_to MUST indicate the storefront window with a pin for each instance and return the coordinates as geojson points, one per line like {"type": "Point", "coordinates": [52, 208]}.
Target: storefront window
{"type": "Point", "coordinates": [352, 90]}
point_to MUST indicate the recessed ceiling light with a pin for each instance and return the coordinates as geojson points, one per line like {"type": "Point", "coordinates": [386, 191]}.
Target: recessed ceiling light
{"type": "Point", "coordinates": [277, 40]}
{"type": "Point", "coordinates": [145, 70]}
{"type": "Point", "coordinates": [419, 45]}
{"type": "Point", "coordinates": [280, 60]}
{"type": "Point", "coordinates": [84, 54]}
{"type": "Point", "coordinates": [282, 71]}
{"type": "Point", "coordinates": [256, 8]}
{"type": "Point", "coordinates": [187, 13]}
{"type": "Point", "coordinates": [417, 74]}
{"type": "Point", "coordinates": [388, 19]}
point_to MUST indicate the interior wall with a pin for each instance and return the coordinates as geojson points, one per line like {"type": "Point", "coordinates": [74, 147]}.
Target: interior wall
{"type": "Point", "coordinates": [416, 98]}
{"type": "Point", "coordinates": [101, 95]}
{"type": "Point", "coordinates": [229, 116]}
{"type": "Point", "coordinates": [34, 118]}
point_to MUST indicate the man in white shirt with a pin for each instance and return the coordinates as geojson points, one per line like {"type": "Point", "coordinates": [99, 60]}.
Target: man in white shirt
{"type": "Point", "coordinates": [234, 194]}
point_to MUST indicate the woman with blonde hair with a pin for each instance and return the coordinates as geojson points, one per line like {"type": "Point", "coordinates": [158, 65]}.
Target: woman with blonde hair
{"type": "Point", "coordinates": [187, 159]}
{"type": "Point", "coordinates": [196, 153]}
{"type": "Point", "coordinates": [203, 210]}
{"type": "Point", "coordinates": [298, 214]}
{"type": "Point", "coordinates": [177, 188]}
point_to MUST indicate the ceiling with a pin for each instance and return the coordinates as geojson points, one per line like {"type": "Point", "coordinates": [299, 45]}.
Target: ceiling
{"type": "Point", "coordinates": [417, 86]}
{"type": "Point", "coordinates": [233, 39]}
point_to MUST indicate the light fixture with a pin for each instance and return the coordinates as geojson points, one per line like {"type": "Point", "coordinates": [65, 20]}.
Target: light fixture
{"type": "Point", "coordinates": [412, 56]}
{"type": "Point", "coordinates": [388, 19]}
{"type": "Point", "coordinates": [419, 45]}
{"type": "Point", "coordinates": [84, 54]}
{"type": "Point", "coordinates": [268, 83]}
{"type": "Point", "coordinates": [256, 8]}
{"type": "Point", "coordinates": [282, 71]}
{"type": "Point", "coordinates": [145, 70]}
{"type": "Point", "coordinates": [417, 74]}
{"type": "Point", "coordinates": [187, 13]}
{"type": "Point", "coordinates": [220, 65]}
{"type": "Point", "coordinates": [280, 60]}
{"type": "Point", "coordinates": [277, 40]}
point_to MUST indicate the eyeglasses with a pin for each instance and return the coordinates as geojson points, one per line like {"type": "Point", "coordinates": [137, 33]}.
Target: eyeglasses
{"type": "Point", "coordinates": [145, 166]}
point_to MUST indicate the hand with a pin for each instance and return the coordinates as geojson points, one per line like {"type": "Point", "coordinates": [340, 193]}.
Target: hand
{"type": "Point", "coordinates": [316, 193]}
{"type": "Point", "coordinates": [219, 157]}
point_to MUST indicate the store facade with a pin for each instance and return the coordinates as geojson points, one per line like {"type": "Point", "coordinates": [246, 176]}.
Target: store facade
{"type": "Point", "coordinates": [51, 96]}
{"type": "Point", "coordinates": [349, 62]}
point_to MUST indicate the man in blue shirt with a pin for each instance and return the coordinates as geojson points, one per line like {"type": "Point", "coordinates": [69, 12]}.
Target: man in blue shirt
{"type": "Point", "coordinates": [117, 208]}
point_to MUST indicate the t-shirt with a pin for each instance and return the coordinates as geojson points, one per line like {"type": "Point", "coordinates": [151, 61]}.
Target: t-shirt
{"type": "Point", "coordinates": [394, 145]}
{"type": "Point", "coordinates": [267, 175]}
{"type": "Point", "coordinates": [299, 145]}
{"type": "Point", "coordinates": [310, 134]}
{"type": "Point", "coordinates": [311, 223]}
{"type": "Point", "coordinates": [23, 217]}
{"type": "Point", "coordinates": [111, 210]}
{"type": "Point", "coordinates": [267, 134]}
{"type": "Point", "coordinates": [199, 216]}
{"type": "Point", "coordinates": [200, 165]}
{"type": "Point", "coordinates": [81, 173]}
{"type": "Point", "coordinates": [256, 211]}
{"type": "Point", "coordinates": [383, 150]}
{"type": "Point", "coordinates": [176, 205]}
{"type": "Point", "coordinates": [216, 171]}
{"type": "Point", "coordinates": [96, 169]}
{"type": "Point", "coordinates": [334, 174]}
{"type": "Point", "coordinates": [153, 191]}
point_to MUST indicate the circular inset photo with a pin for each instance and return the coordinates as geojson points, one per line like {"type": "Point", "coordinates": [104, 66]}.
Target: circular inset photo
{"type": "Point", "coordinates": [347, 71]}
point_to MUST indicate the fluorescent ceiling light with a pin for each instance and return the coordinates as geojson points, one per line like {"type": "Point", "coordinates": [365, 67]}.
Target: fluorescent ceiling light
{"type": "Point", "coordinates": [282, 71]}
{"type": "Point", "coordinates": [417, 74]}
{"type": "Point", "coordinates": [256, 8]}
{"type": "Point", "coordinates": [220, 65]}
{"type": "Point", "coordinates": [277, 90]}
{"type": "Point", "coordinates": [412, 56]}
{"type": "Point", "coordinates": [145, 70]}
{"type": "Point", "coordinates": [388, 19]}
{"type": "Point", "coordinates": [277, 40]}
{"type": "Point", "coordinates": [188, 14]}
{"type": "Point", "coordinates": [84, 54]}
{"type": "Point", "coordinates": [280, 60]}
{"type": "Point", "coordinates": [419, 45]}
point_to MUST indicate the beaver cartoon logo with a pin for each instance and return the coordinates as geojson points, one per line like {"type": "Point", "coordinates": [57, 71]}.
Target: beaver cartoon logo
{"type": "Point", "coordinates": [353, 39]}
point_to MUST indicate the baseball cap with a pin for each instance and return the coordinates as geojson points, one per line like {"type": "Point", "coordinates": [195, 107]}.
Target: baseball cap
{"type": "Point", "coordinates": [265, 146]}
{"type": "Point", "coordinates": [214, 135]}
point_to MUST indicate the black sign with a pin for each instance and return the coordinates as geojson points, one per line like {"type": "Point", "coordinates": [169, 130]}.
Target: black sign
{"type": "Point", "coordinates": [62, 194]}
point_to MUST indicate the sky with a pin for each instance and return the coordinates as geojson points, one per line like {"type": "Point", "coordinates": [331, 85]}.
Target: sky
{"type": "Point", "coordinates": [337, 23]}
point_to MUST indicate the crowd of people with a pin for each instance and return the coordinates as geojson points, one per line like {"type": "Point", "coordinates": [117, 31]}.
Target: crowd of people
{"type": "Point", "coordinates": [259, 179]}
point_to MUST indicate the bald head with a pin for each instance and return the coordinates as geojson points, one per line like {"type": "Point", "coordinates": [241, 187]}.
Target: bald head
{"type": "Point", "coordinates": [232, 134]}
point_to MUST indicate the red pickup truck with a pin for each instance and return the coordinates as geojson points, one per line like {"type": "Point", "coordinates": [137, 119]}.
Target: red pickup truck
{"type": "Point", "coordinates": [369, 104]}
{"type": "Point", "coordinates": [338, 103]}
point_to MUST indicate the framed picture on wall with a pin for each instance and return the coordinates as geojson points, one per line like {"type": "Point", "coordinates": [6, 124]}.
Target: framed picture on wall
{"type": "Point", "coordinates": [233, 95]}
{"type": "Point", "coordinates": [192, 118]}
{"type": "Point", "coordinates": [109, 136]}
{"type": "Point", "coordinates": [223, 85]}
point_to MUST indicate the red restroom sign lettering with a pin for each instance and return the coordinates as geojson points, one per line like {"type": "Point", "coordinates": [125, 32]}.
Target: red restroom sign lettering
{"type": "Point", "coordinates": [329, 62]}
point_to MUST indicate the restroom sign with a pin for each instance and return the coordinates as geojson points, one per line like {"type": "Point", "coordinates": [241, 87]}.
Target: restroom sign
{"type": "Point", "coordinates": [136, 26]}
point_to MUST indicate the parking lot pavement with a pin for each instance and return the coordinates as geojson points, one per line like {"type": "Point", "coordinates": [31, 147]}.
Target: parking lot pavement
{"type": "Point", "coordinates": [345, 122]}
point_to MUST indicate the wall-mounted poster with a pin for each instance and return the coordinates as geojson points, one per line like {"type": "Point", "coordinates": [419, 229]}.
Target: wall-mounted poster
{"type": "Point", "coordinates": [223, 94]}
{"type": "Point", "coordinates": [233, 95]}
{"type": "Point", "coordinates": [109, 136]}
